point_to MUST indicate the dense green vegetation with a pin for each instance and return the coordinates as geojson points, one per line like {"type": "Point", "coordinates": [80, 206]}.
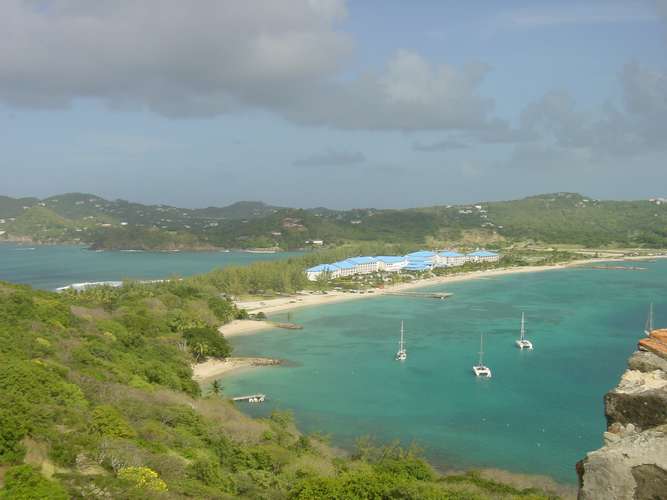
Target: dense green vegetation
{"type": "Point", "coordinates": [12, 207]}
{"type": "Point", "coordinates": [98, 402]}
{"type": "Point", "coordinates": [565, 218]}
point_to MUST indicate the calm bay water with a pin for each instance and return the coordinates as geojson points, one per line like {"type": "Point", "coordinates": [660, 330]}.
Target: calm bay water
{"type": "Point", "coordinates": [50, 267]}
{"type": "Point", "coordinates": [541, 411]}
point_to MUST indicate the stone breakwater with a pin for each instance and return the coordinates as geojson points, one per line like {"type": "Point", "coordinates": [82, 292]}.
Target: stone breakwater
{"type": "Point", "coordinates": [632, 464]}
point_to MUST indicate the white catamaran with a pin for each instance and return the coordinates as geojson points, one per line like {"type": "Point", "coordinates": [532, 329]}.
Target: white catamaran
{"type": "Point", "coordinates": [523, 342]}
{"type": "Point", "coordinates": [480, 369]}
{"type": "Point", "coordinates": [649, 321]}
{"type": "Point", "coordinates": [402, 354]}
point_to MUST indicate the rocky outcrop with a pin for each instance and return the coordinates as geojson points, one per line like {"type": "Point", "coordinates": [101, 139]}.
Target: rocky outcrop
{"type": "Point", "coordinates": [632, 464]}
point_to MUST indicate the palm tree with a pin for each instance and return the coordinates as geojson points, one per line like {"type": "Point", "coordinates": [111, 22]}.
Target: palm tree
{"type": "Point", "coordinates": [216, 387]}
{"type": "Point", "coordinates": [200, 351]}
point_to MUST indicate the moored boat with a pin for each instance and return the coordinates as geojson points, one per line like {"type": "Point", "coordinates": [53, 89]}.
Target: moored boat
{"type": "Point", "coordinates": [401, 354]}
{"type": "Point", "coordinates": [480, 369]}
{"type": "Point", "coordinates": [523, 343]}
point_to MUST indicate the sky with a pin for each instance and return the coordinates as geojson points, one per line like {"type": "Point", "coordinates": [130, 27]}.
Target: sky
{"type": "Point", "coordinates": [359, 103]}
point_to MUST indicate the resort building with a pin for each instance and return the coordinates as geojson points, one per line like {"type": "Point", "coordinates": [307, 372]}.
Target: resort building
{"type": "Point", "coordinates": [391, 263]}
{"type": "Point", "coordinates": [423, 260]}
{"type": "Point", "coordinates": [345, 268]}
{"type": "Point", "coordinates": [449, 258]}
{"type": "Point", "coordinates": [364, 265]}
{"type": "Point", "coordinates": [418, 266]}
{"type": "Point", "coordinates": [423, 256]}
{"type": "Point", "coordinates": [314, 273]}
{"type": "Point", "coordinates": [483, 256]}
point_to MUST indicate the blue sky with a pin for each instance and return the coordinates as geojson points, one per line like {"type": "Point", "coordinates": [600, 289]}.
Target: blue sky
{"type": "Point", "coordinates": [325, 102]}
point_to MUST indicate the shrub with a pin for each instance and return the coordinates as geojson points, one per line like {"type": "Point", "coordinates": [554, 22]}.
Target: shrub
{"type": "Point", "coordinates": [26, 483]}
{"type": "Point", "coordinates": [206, 341]}
{"type": "Point", "coordinates": [142, 478]}
{"type": "Point", "coordinates": [12, 431]}
{"type": "Point", "coordinates": [223, 309]}
{"type": "Point", "coordinates": [211, 474]}
{"type": "Point", "coordinates": [107, 421]}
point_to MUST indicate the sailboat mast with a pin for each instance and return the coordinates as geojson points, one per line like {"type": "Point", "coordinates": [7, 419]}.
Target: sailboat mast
{"type": "Point", "coordinates": [401, 344]}
{"type": "Point", "coordinates": [481, 349]}
{"type": "Point", "coordinates": [650, 318]}
{"type": "Point", "coordinates": [523, 326]}
{"type": "Point", "coordinates": [649, 321]}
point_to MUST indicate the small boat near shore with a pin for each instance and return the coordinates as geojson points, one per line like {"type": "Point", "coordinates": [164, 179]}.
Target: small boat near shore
{"type": "Point", "coordinates": [523, 343]}
{"type": "Point", "coordinates": [480, 369]}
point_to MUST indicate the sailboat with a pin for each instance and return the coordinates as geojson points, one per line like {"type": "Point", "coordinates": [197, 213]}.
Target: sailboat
{"type": "Point", "coordinates": [402, 354]}
{"type": "Point", "coordinates": [649, 321]}
{"type": "Point", "coordinates": [523, 342]}
{"type": "Point", "coordinates": [480, 369]}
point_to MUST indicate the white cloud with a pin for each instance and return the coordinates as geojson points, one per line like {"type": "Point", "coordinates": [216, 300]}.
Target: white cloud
{"type": "Point", "coordinates": [408, 94]}
{"type": "Point", "coordinates": [211, 57]}
{"type": "Point", "coordinates": [634, 127]}
{"type": "Point", "coordinates": [175, 57]}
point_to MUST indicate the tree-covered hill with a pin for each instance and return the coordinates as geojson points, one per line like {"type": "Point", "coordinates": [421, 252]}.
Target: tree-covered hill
{"type": "Point", "coordinates": [565, 218]}
{"type": "Point", "coordinates": [12, 207]}
{"type": "Point", "coordinates": [98, 402]}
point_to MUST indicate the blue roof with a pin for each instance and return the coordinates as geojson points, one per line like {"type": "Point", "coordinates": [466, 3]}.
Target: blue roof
{"type": "Point", "coordinates": [343, 264]}
{"type": "Point", "coordinates": [449, 253]}
{"type": "Point", "coordinates": [361, 260]}
{"type": "Point", "coordinates": [326, 268]}
{"type": "Point", "coordinates": [421, 253]}
{"type": "Point", "coordinates": [483, 253]}
{"type": "Point", "coordinates": [389, 259]}
{"type": "Point", "coordinates": [427, 260]}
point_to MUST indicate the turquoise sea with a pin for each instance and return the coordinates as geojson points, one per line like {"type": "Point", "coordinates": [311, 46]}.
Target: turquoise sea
{"type": "Point", "coordinates": [539, 414]}
{"type": "Point", "coordinates": [50, 267]}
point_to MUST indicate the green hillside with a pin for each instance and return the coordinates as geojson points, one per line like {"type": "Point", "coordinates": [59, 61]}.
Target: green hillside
{"type": "Point", "coordinates": [559, 218]}
{"type": "Point", "coordinates": [572, 218]}
{"type": "Point", "coordinates": [98, 402]}
{"type": "Point", "coordinates": [12, 207]}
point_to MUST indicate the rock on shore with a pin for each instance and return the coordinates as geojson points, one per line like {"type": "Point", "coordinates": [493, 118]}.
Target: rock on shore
{"type": "Point", "coordinates": [632, 464]}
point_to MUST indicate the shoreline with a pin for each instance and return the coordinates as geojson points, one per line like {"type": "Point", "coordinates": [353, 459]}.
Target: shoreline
{"type": "Point", "coordinates": [565, 490]}
{"type": "Point", "coordinates": [284, 304]}
{"type": "Point", "coordinates": [213, 369]}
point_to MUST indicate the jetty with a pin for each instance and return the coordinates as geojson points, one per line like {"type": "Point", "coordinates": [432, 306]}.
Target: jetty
{"type": "Point", "coordinates": [422, 295]}
{"type": "Point", "coordinates": [287, 326]}
{"type": "Point", "coordinates": [620, 268]}
{"type": "Point", "coordinates": [252, 398]}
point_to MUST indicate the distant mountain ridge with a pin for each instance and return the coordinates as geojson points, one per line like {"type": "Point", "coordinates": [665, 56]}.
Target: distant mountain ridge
{"type": "Point", "coordinates": [567, 218]}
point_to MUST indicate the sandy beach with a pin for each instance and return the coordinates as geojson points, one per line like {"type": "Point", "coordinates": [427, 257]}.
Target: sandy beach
{"type": "Point", "coordinates": [215, 368]}
{"type": "Point", "coordinates": [284, 304]}
{"type": "Point", "coordinates": [212, 369]}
